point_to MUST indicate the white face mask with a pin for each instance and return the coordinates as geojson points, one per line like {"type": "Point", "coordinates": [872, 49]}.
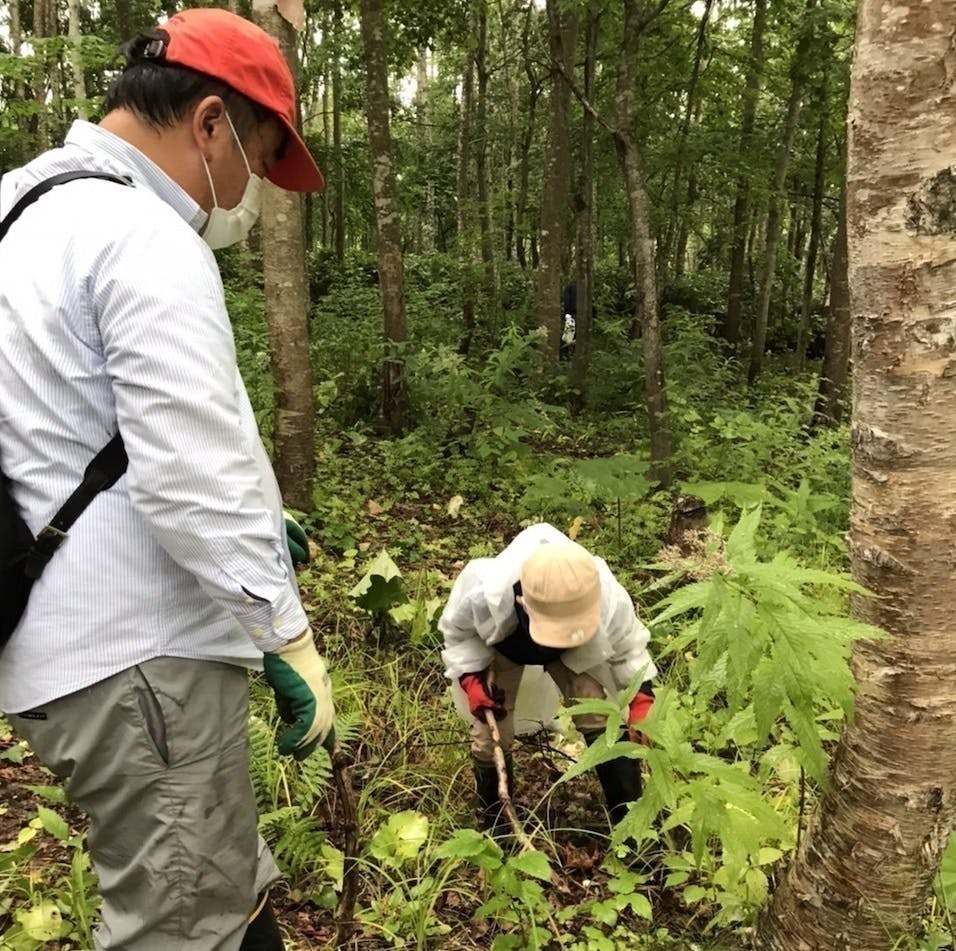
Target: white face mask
{"type": "Point", "coordinates": [226, 226]}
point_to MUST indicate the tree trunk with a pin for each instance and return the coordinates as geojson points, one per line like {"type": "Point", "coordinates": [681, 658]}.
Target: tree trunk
{"type": "Point", "coordinates": [124, 22]}
{"type": "Point", "coordinates": [426, 217]}
{"type": "Point", "coordinates": [480, 140]}
{"type": "Point", "coordinates": [466, 204]}
{"type": "Point", "coordinates": [76, 59]}
{"type": "Point", "coordinates": [828, 410]}
{"type": "Point", "coordinates": [326, 142]}
{"type": "Point", "coordinates": [555, 179]}
{"type": "Point", "coordinates": [19, 87]}
{"type": "Point", "coordinates": [819, 176]}
{"type": "Point", "coordinates": [390, 267]}
{"type": "Point", "coordinates": [584, 292]}
{"type": "Point", "coordinates": [772, 237]}
{"type": "Point", "coordinates": [527, 137]}
{"type": "Point", "coordinates": [44, 27]}
{"type": "Point", "coordinates": [645, 279]}
{"type": "Point", "coordinates": [287, 313]}
{"type": "Point", "coordinates": [676, 222]}
{"type": "Point", "coordinates": [731, 328]}
{"type": "Point", "coordinates": [683, 233]}
{"type": "Point", "coordinates": [866, 866]}
{"type": "Point", "coordinates": [338, 206]}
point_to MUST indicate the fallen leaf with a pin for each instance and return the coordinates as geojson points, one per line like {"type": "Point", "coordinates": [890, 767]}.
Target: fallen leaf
{"type": "Point", "coordinates": [454, 505]}
{"type": "Point", "coordinates": [374, 508]}
{"type": "Point", "coordinates": [575, 528]}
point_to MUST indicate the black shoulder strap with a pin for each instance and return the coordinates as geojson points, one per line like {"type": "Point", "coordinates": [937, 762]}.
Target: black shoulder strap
{"type": "Point", "coordinates": [110, 462]}
{"type": "Point", "coordinates": [38, 191]}
{"type": "Point", "coordinates": [105, 469]}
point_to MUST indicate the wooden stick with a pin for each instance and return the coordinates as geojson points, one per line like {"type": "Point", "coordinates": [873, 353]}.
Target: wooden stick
{"type": "Point", "coordinates": [345, 912]}
{"type": "Point", "coordinates": [504, 794]}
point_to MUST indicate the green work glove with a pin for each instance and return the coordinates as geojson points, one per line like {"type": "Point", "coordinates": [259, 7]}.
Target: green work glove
{"type": "Point", "coordinates": [297, 541]}
{"type": "Point", "coordinates": [300, 681]}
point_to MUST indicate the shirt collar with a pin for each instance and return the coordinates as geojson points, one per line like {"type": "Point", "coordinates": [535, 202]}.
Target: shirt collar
{"type": "Point", "coordinates": [126, 159]}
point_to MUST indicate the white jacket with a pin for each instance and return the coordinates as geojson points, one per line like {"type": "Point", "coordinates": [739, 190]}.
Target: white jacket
{"type": "Point", "coordinates": [481, 613]}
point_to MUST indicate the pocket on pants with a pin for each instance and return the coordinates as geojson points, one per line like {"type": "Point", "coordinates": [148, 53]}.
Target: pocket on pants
{"type": "Point", "coordinates": [151, 710]}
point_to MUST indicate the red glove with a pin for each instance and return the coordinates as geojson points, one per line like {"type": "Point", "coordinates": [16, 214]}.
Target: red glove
{"type": "Point", "coordinates": [481, 697]}
{"type": "Point", "coordinates": [639, 709]}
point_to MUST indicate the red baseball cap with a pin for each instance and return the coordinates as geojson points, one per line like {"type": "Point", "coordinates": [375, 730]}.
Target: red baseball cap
{"type": "Point", "coordinates": [227, 47]}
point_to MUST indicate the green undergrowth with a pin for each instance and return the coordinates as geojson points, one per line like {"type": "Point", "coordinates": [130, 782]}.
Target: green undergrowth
{"type": "Point", "coordinates": [749, 622]}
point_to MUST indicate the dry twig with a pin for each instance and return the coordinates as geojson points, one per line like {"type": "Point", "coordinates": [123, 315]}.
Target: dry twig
{"type": "Point", "coordinates": [345, 912]}
{"type": "Point", "coordinates": [504, 793]}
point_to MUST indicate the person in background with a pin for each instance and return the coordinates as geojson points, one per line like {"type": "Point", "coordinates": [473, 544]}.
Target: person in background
{"type": "Point", "coordinates": [544, 600]}
{"type": "Point", "coordinates": [127, 673]}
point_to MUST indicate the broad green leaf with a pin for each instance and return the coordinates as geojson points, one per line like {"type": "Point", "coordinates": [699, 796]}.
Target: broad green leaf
{"type": "Point", "coordinates": [464, 844]}
{"type": "Point", "coordinates": [54, 794]}
{"type": "Point", "coordinates": [532, 863]}
{"type": "Point", "coordinates": [333, 864]}
{"type": "Point", "coordinates": [400, 838]}
{"type": "Point", "coordinates": [381, 587]}
{"type": "Point", "coordinates": [53, 823]}
{"type": "Point", "coordinates": [43, 922]}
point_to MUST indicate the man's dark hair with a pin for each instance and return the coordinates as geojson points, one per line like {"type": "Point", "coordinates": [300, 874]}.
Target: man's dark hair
{"type": "Point", "coordinates": [161, 95]}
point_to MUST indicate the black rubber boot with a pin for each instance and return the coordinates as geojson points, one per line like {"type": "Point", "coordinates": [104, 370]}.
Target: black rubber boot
{"type": "Point", "coordinates": [262, 933]}
{"type": "Point", "coordinates": [620, 779]}
{"type": "Point", "coordinates": [490, 816]}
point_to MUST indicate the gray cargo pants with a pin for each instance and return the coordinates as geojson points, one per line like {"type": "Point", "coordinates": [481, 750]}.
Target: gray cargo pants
{"type": "Point", "coordinates": [158, 757]}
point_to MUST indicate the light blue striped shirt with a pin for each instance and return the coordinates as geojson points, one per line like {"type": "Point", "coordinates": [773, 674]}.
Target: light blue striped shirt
{"type": "Point", "coordinates": [112, 315]}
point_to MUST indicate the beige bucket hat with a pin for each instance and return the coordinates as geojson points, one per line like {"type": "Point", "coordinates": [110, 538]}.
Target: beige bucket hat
{"type": "Point", "coordinates": [561, 591]}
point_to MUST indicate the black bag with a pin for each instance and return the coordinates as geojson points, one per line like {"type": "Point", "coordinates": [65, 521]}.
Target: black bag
{"type": "Point", "coordinates": [23, 557]}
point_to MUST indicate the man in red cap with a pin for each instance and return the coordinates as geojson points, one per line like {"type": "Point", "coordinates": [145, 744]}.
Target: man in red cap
{"type": "Point", "coordinates": [544, 601]}
{"type": "Point", "coordinates": [154, 590]}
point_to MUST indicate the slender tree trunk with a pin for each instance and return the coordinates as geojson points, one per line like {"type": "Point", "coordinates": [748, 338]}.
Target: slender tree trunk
{"type": "Point", "coordinates": [643, 258]}
{"type": "Point", "coordinates": [527, 138]}
{"type": "Point", "coordinates": [326, 142]}
{"type": "Point", "coordinates": [44, 27]}
{"type": "Point", "coordinates": [731, 328]}
{"type": "Point", "coordinates": [828, 410]}
{"type": "Point", "coordinates": [816, 214]}
{"type": "Point", "coordinates": [338, 206]}
{"type": "Point", "coordinates": [585, 210]}
{"type": "Point", "coordinates": [683, 233]}
{"type": "Point", "coordinates": [555, 178]}
{"type": "Point", "coordinates": [76, 59]}
{"type": "Point", "coordinates": [426, 218]}
{"type": "Point", "coordinates": [467, 231]}
{"type": "Point", "coordinates": [124, 22]}
{"type": "Point", "coordinates": [480, 141]}
{"type": "Point", "coordinates": [16, 41]}
{"type": "Point", "coordinates": [866, 866]}
{"type": "Point", "coordinates": [287, 313]}
{"type": "Point", "coordinates": [510, 83]}
{"type": "Point", "coordinates": [390, 267]}
{"type": "Point", "coordinates": [772, 237]}
{"type": "Point", "coordinates": [677, 215]}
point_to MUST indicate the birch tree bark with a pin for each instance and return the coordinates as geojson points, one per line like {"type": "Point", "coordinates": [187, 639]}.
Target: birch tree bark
{"type": "Point", "coordinates": [865, 868]}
